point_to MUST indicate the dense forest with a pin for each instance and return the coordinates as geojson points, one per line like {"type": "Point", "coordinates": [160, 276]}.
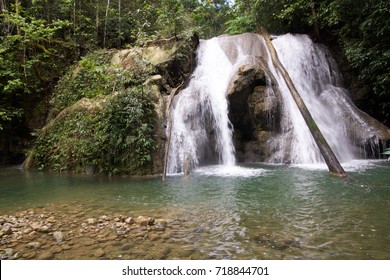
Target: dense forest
{"type": "Point", "coordinates": [41, 39]}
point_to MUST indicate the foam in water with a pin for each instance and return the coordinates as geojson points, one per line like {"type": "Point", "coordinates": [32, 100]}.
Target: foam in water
{"type": "Point", "coordinates": [356, 165]}
{"type": "Point", "coordinates": [229, 171]}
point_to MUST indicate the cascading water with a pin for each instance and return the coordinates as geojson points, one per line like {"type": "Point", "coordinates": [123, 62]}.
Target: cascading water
{"type": "Point", "coordinates": [203, 134]}
{"type": "Point", "coordinates": [202, 110]}
{"type": "Point", "coordinates": [317, 79]}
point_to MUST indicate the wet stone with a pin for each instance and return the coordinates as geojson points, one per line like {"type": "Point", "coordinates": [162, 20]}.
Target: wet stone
{"type": "Point", "coordinates": [33, 245]}
{"type": "Point", "coordinates": [91, 221]}
{"type": "Point", "coordinates": [48, 255]}
{"type": "Point", "coordinates": [65, 247]}
{"type": "Point", "coordinates": [116, 243]}
{"type": "Point", "coordinates": [44, 229]}
{"type": "Point", "coordinates": [7, 228]}
{"type": "Point", "coordinates": [126, 247]}
{"type": "Point", "coordinates": [6, 253]}
{"type": "Point", "coordinates": [29, 255]}
{"type": "Point", "coordinates": [99, 253]}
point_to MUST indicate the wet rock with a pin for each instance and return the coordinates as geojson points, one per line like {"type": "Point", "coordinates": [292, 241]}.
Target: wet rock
{"type": "Point", "coordinates": [91, 221]}
{"type": "Point", "coordinates": [27, 230]}
{"type": "Point", "coordinates": [29, 255]}
{"type": "Point", "coordinates": [126, 247]}
{"type": "Point", "coordinates": [144, 221]}
{"type": "Point", "coordinates": [158, 254]}
{"type": "Point", "coordinates": [7, 228]}
{"type": "Point", "coordinates": [6, 253]}
{"type": "Point", "coordinates": [44, 229]}
{"type": "Point", "coordinates": [33, 245]}
{"type": "Point", "coordinates": [50, 220]}
{"type": "Point", "coordinates": [35, 225]}
{"type": "Point", "coordinates": [154, 237]}
{"type": "Point", "coordinates": [65, 247]}
{"type": "Point", "coordinates": [99, 253]}
{"type": "Point", "coordinates": [160, 222]}
{"type": "Point", "coordinates": [58, 236]}
{"type": "Point", "coordinates": [48, 255]}
{"type": "Point", "coordinates": [117, 243]}
{"type": "Point", "coordinates": [89, 242]}
{"type": "Point", "coordinates": [56, 249]}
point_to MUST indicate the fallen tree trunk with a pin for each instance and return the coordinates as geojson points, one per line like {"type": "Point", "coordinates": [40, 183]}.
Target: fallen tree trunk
{"type": "Point", "coordinates": [331, 160]}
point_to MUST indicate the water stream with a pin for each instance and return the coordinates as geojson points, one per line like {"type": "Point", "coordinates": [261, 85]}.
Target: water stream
{"type": "Point", "coordinates": [256, 212]}
{"type": "Point", "coordinates": [225, 210]}
{"type": "Point", "coordinates": [202, 132]}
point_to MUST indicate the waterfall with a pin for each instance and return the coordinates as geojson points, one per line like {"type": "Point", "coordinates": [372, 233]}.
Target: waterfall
{"type": "Point", "coordinates": [316, 77]}
{"type": "Point", "coordinates": [201, 130]}
{"type": "Point", "coordinates": [202, 133]}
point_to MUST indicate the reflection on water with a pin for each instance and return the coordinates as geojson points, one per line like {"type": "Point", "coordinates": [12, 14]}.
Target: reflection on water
{"type": "Point", "coordinates": [252, 212]}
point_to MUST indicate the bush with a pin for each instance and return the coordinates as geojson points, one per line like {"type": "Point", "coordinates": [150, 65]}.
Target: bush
{"type": "Point", "coordinates": [113, 135]}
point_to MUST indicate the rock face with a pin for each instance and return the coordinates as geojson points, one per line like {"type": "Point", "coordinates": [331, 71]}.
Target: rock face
{"type": "Point", "coordinates": [158, 69]}
{"type": "Point", "coordinates": [254, 110]}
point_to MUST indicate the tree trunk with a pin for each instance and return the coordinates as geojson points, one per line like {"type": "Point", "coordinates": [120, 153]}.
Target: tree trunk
{"type": "Point", "coordinates": [105, 24]}
{"type": "Point", "coordinates": [97, 21]}
{"type": "Point", "coordinates": [119, 23]}
{"type": "Point", "coordinates": [332, 162]}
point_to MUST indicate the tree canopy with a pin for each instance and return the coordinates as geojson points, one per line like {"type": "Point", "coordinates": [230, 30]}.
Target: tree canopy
{"type": "Point", "coordinates": [40, 39]}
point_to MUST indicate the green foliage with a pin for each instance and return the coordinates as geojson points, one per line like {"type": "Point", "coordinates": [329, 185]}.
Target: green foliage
{"type": "Point", "coordinates": [92, 76]}
{"type": "Point", "coordinates": [130, 126]}
{"type": "Point", "coordinates": [115, 139]}
{"type": "Point", "coordinates": [361, 27]}
{"type": "Point", "coordinates": [30, 62]}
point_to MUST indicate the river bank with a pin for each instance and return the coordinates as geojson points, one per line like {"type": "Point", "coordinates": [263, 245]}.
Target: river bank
{"type": "Point", "coordinates": [67, 232]}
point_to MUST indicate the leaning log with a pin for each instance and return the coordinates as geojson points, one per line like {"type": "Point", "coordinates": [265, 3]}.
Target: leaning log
{"type": "Point", "coordinates": [330, 158]}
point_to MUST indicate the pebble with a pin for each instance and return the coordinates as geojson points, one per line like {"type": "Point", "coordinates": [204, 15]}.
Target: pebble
{"type": "Point", "coordinates": [7, 228]}
{"type": "Point", "coordinates": [99, 253]}
{"type": "Point", "coordinates": [58, 236]}
{"type": "Point", "coordinates": [41, 234]}
{"type": "Point", "coordinates": [91, 221]}
{"type": "Point", "coordinates": [126, 247]}
{"type": "Point", "coordinates": [33, 245]}
{"type": "Point", "coordinates": [65, 247]}
{"type": "Point", "coordinates": [144, 221]}
{"type": "Point", "coordinates": [44, 229]}
{"type": "Point", "coordinates": [46, 255]}
{"type": "Point", "coordinates": [6, 253]}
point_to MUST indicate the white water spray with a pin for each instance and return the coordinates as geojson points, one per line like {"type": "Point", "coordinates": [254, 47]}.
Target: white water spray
{"type": "Point", "coordinates": [202, 110]}
{"type": "Point", "coordinates": [203, 134]}
{"type": "Point", "coordinates": [316, 78]}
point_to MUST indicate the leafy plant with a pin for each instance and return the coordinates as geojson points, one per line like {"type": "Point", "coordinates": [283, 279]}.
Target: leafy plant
{"type": "Point", "coordinates": [113, 134]}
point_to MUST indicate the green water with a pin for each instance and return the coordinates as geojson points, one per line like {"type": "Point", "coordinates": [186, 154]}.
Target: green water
{"type": "Point", "coordinates": [258, 211]}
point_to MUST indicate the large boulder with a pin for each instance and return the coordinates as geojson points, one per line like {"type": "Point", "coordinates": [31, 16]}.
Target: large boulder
{"type": "Point", "coordinates": [79, 131]}
{"type": "Point", "coordinates": [254, 109]}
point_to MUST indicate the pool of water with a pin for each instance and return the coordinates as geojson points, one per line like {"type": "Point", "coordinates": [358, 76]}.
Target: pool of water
{"type": "Point", "coordinates": [258, 211]}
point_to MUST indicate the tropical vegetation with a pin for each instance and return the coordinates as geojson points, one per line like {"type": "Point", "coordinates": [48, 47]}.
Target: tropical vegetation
{"type": "Point", "coordinates": [41, 40]}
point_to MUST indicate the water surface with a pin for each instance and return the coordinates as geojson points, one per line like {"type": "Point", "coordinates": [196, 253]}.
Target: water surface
{"type": "Point", "coordinates": [249, 212]}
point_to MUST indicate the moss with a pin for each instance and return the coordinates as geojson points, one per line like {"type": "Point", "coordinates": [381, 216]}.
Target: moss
{"type": "Point", "coordinates": [115, 139]}
{"type": "Point", "coordinates": [103, 117]}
